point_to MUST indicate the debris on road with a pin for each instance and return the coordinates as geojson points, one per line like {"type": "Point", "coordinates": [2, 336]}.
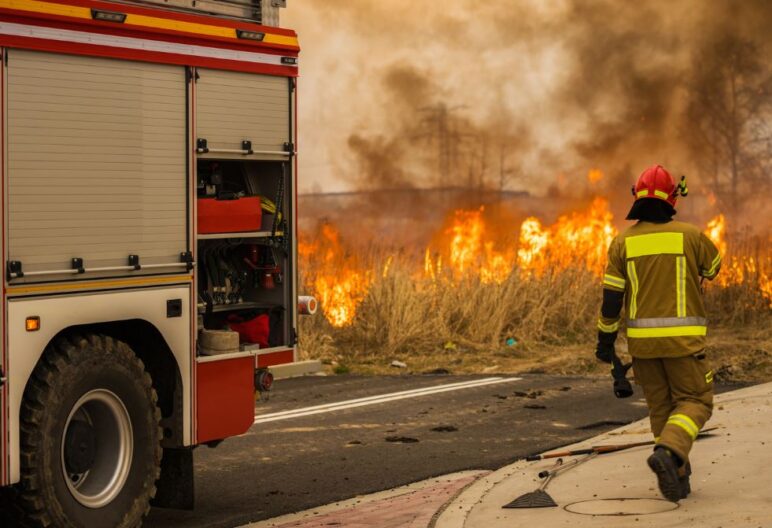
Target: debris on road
{"type": "Point", "coordinates": [437, 372]}
{"type": "Point", "coordinates": [530, 394]}
{"type": "Point", "coordinates": [445, 429]}
{"type": "Point", "coordinates": [401, 439]}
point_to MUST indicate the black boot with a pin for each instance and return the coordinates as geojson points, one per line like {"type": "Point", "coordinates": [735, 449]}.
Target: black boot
{"type": "Point", "coordinates": [665, 466]}
{"type": "Point", "coordinates": [686, 487]}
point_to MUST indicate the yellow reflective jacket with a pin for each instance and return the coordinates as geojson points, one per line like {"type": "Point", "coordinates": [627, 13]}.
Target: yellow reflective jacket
{"type": "Point", "coordinates": [659, 268]}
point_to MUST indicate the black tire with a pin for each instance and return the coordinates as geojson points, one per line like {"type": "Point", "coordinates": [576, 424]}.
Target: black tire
{"type": "Point", "coordinates": [72, 369]}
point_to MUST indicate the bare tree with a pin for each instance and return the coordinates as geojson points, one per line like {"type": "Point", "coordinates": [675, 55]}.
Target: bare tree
{"type": "Point", "coordinates": [729, 106]}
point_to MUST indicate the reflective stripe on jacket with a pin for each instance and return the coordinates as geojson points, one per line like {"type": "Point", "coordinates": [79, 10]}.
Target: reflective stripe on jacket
{"type": "Point", "coordinates": [659, 267]}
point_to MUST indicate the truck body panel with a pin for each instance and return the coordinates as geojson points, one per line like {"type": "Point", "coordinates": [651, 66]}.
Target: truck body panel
{"type": "Point", "coordinates": [96, 163]}
{"type": "Point", "coordinates": [57, 313]}
{"type": "Point", "coordinates": [100, 179]}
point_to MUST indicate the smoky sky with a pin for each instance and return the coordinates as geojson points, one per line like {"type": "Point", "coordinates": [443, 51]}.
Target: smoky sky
{"type": "Point", "coordinates": [508, 94]}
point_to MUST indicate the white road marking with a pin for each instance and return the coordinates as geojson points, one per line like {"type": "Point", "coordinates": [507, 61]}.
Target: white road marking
{"type": "Point", "coordinates": [381, 398]}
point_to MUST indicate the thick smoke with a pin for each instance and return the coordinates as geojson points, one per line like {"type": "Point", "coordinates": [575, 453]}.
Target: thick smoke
{"type": "Point", "coordinates": [513, 95]}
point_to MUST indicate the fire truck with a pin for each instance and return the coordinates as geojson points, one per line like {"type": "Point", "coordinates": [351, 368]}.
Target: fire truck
{"type": "Point", "coordinates": [148, 169]}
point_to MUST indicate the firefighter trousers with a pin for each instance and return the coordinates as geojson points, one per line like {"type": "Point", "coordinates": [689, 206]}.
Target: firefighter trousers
{"type": "Point", "coordinates": [679, 393]}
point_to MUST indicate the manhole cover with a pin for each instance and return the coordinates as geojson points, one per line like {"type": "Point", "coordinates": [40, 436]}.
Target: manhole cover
{"type": "Point", "coordinates": [621, 506]}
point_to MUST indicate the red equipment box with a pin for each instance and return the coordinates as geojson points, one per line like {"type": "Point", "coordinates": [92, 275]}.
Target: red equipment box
{"type": "Point", "coordinates": [229, 216]}
{"type": "Point", "coordinates": [225, 397]}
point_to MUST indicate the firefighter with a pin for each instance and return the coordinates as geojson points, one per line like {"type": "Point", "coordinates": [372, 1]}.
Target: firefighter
{"type": "Point", "coordinates": [655, 269]}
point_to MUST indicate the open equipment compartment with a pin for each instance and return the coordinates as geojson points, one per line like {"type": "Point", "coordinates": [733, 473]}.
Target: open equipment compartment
{"type": "Point", "coordinates": [243, 127]}
{"type": "Point", "coordinates": [243, 270]}
{"type": "Point", "coordinates": [245, 188]}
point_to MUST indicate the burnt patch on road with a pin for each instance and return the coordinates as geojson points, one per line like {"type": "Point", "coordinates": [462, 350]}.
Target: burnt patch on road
{"type": "Point", "coordinates": [401, 439]}
{"type": "Point", "coordinates": [437, 372]}
{"type": "Point", "coordinates": [444, 429]}
{"type": "Point", "coordinates": [529, 394]}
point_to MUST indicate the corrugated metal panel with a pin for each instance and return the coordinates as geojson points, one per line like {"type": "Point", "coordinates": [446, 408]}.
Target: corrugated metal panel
{"type": "Point", "coordinates": [96, 161]}
{"type": "Point", "coordinates": [264, 12]}
{"type": "Point", "coordinates": [232, 107]}
{"type": "Point", "coordinates": [241, 9]}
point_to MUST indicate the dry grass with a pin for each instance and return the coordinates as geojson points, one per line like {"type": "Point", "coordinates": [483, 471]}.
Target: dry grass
{"type": "Point", "coordinates": [463, 326]}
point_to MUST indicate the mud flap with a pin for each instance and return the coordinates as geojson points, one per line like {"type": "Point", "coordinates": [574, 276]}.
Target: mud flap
{"type": "Point", "coordinates": [175, 487]}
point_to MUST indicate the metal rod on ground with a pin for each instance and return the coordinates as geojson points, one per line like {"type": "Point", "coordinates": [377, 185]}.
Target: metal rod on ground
{"type": "Point", "coordinates": [539, 498]}
{"type": "Point", "coordinates": [554, 471]}
{"type": "Point", "coordinates": [589, 450]}
{"type": "Point", "coordinates": [602, 448]}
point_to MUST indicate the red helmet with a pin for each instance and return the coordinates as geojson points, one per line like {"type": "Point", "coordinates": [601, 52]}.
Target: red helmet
{"type": "Point", "coordinates": [656, 182]}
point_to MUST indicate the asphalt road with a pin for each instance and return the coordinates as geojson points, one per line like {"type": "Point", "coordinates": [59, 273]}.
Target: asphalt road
{"type": "Point", "coordinates": [290, 465]}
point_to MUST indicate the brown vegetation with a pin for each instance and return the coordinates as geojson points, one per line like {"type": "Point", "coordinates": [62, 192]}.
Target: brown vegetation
{"type": "Point", "coordinates": [526, 321]}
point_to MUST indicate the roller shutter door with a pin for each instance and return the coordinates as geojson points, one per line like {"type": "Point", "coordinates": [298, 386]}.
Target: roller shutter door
{"type": "Point", "coordinates": [232, 107]}
{"type": "Point", "coordinates": [96, 161]}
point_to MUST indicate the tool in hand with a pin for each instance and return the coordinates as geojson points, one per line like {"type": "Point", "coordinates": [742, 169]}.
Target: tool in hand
{"type": "Point", "coordinates": [622, 386]}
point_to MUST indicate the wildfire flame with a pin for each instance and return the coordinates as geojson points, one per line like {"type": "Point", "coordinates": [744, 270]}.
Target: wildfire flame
{"type": "Point", "coordinates": [740, 265]}
{"type": "Point", "coordinates": [471, 253]}
{"type": "Point", "coordinates": [594, 176]}
{"type": "Point", "coordinates": [338, 280]}
{"type": "Point", "coordinates": [716, 231]}
{"type": "Point", "coordinates": [579, 237]}
{"type": "Point", "coordinates": [471, 247]}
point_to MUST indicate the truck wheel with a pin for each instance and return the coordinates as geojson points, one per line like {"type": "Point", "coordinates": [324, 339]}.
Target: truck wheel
{"type": "Point", "coordinates": [90, 436]}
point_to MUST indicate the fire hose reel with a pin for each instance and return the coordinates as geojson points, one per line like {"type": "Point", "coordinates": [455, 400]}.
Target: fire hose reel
{"type": "Point", "coordinates": [307, 305]}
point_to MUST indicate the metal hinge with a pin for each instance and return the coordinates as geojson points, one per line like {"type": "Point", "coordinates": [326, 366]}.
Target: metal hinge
{"type": "Point", "coordinates": [186, 257]}
{"type": "Point", "coordinates": [14, 269]}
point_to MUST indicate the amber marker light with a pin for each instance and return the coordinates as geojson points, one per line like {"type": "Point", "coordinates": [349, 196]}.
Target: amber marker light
{"type": "Point", "coordinates": [32, 324]}
{"type": "Point", "coordinates": [108, 16]}
{"type": "Point", "coordinates": [250, 35]}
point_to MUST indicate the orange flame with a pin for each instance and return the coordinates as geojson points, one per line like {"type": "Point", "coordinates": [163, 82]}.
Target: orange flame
{"type": "Point", "coordinates": [594, 176]}
{"type": "Point", "coordinates": [579, 237]}
{"type": "Point", "coordinates": [337, 279]}
{"type": "Point", "coordinates": [534, 240]}
{"type": "Point", "coordinates": [471, 248]}
{"type": "Point", "coordinates": [470, 252]}
{"type": "Point", "coordinates": [740, 266]}
{"type": "Point", "coordinates": [716, 231]}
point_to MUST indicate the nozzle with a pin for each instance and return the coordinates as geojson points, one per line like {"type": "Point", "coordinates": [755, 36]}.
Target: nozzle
{"type": "Point", "coordinates": [622, 387]}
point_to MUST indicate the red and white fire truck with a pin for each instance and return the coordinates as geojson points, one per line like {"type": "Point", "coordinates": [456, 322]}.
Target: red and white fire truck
{"type": "Point", "coordinates": [148, 224]}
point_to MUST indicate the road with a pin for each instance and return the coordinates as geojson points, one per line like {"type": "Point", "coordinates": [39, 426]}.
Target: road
{"type": "Point", "coordinates": [287, 464]}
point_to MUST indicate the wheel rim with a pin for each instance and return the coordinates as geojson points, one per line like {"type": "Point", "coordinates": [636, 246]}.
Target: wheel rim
{"type": "Point", "coordinates": [97, 447]}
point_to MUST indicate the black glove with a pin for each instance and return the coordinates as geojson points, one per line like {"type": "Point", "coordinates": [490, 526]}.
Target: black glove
{"type": "Point", "coordinates": [605, 352]}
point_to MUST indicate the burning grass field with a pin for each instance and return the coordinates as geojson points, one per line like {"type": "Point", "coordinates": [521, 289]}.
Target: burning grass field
{"type": "Point", "coordinates": [477, 300]}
